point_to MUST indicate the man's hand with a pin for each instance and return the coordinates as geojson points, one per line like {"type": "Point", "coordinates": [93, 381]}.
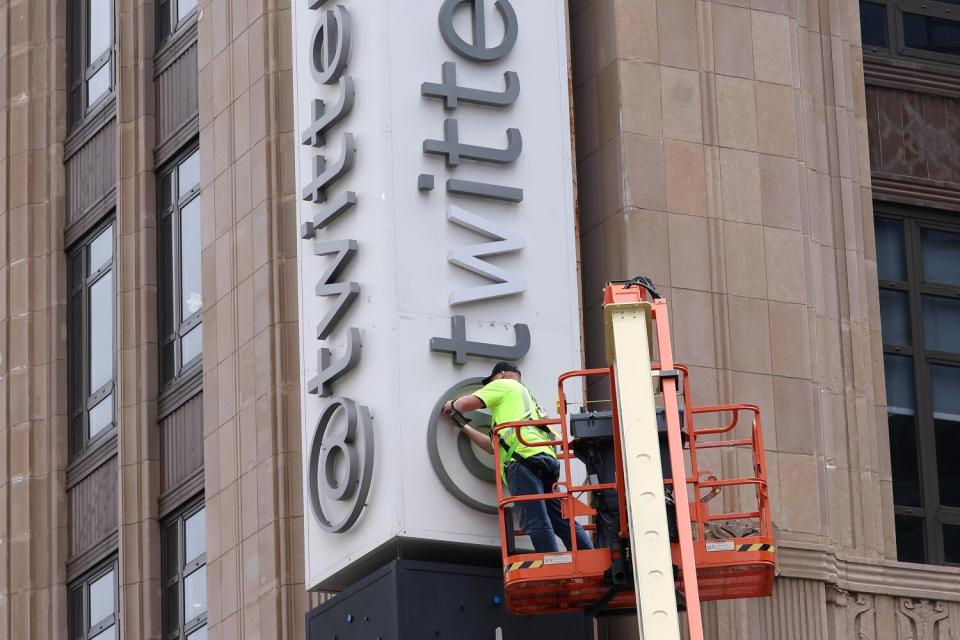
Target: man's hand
{"type": "Point", "coordinates": [447, 408]}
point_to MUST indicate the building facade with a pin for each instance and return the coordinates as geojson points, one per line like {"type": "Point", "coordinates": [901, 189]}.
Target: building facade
{"type": "Point", "coordinates": [787, 171]}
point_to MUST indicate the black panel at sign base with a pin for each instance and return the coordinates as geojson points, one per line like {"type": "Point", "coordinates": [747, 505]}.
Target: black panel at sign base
{"type": "Point", "coordinates": [411, 600]}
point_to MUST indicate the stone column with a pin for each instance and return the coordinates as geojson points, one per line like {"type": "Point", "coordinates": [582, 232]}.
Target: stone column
{"type": "Point", "coordinates": [33, 408]}
{"type": "Point", "coordinates": [136, 224]}
{"type": "Point", "coordinates": [251, 406]}
{"type": "Point", "coordinates": [722, 150]}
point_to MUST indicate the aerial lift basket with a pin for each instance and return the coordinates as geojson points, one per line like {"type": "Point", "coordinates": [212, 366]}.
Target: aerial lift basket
{"type": "Point", "coordinates": [730, 548]}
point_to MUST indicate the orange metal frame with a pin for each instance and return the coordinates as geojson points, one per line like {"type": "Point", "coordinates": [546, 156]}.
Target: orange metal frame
{"type": "Point", "coordinates": [709, 569]}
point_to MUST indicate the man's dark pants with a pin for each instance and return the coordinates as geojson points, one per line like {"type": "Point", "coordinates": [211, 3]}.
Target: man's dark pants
{"type": "Point", "coordinates": [541, 519]}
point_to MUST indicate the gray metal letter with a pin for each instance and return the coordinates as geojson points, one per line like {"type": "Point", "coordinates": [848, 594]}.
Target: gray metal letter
{"type": "Point", "coordinates": [346, 292]}
{"type": "Point", "coordinates": [356, 486]}
{"type": "Point", "coordinates": [323, 177]}
{"type": "Point", "coordinates": [469, 258]}
{"type": "Point", "coordinates": [484, 190]}
{"type": "Point", "coordinates": [452, 93]}
{"type": "Point", "coordinates": [330, 45]}
{"type": "Point", "coordinates": [323, 118]}
{"type": "Point", "coordinates": [329, 372]}
{"type": "Point", "coordinates": [460, 347]}
{"type": "Point", "coordinates": [478, 50]}
{"type": "Point", "coordinates": [451, 147]}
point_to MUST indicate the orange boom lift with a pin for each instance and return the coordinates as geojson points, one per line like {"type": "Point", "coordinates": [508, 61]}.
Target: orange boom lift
{"type": "Point", "coordinates": [663, 544]}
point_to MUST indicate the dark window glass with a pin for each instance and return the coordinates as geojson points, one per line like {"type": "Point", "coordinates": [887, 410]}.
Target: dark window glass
{"type": "Point", "coordinates": [941, 324]}
{"type": "Point", "coordinates": [185, 575]}
{"type": "Point", "coordinates": [951, 543]}
{"type": "Point", "coordinates": [941, 255]}
{"type": "Point", "coordinates": [918, 258]}
{"type": "Point", "coordinates": [902, 424]}
{"type": "Point", "coordinates": [873, 24]}
{"type": "Point", "coordinates": [931, 34]}
{"type": "Point", "coordinates": [891, 260]}
{"type": "Point", "coordinates": [910, 539]}
{"type": "Point", "coordinates": [180, 251]}
{"type": "Point", "coordinates": [173, 15]}
{"type": "Point", "coordinates": [92, 607]}
{"type": "Point", "coordinates": [895, 317]}
{"type": "Point", "coordinates": [945, 383]}
{"type": "Point", "coordinates": [91, 319]}
{"type": "Point", "coordinates": [90, 36]}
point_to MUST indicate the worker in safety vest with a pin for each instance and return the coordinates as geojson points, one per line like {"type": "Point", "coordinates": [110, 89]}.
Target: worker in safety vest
{"type": "Point", "coordinates": [527, 470]}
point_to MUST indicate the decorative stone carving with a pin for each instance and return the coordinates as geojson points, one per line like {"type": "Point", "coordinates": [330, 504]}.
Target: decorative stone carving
{"type": "Point", "coordinates": [862, 617]}
{"type": "Point", "coordinates": [858, 611]}
{"type": "Point", "coordinates": [922, 620]}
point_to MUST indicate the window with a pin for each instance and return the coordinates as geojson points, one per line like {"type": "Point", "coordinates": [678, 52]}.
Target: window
{"type": "Point", "coordinates": [173, 15]}
{"type": "Point", "coordinates": [916, 28]}
{"type": "Point", "coordinates": [90, 55]}
{"type": "Point", "coordinates": [90, 319]}
{"type": "Point", "coordinates": [184, 558]}
{"type": "Point", "coordinates": [182, 299]}
{"type": "Point", "coordinates": [92, 603]}
{"type": "Point", "coordinates": [918, 264]}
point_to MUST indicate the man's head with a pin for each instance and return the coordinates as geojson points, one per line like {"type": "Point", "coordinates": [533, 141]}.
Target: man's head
{"type": "Point", "coordinates": [503, 370]}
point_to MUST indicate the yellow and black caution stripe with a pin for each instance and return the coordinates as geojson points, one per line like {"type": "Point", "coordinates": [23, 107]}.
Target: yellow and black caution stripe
{"type": "Point", "coordinates": [756, 547]}
{"type": "Point", "coordinates": [526, 564]}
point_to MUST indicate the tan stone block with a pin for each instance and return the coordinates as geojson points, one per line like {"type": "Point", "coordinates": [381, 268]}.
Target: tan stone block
{"type": "Point", "coordinates": [744, 259]}
{"type": "Point", "coordinates": [785, 265]}
{"type": "Point", "coordinates": [680, 96]}
{"type": "Point", "coordinates": [647, 248]}
{"type": "Point", "coordinates": [736, 113]}
{"type": "Point", "coordinates": [689, 252]}
{"type": "Point", "coordinates": [229, 528]}
{"type": "Point", "coordinates": [637, 30]}
{"type": "Point", "coordinates": [590, 183]}
{"type": "Point", "coordinates": [608, 102]}
{"type": "Point", "coordinates": [640, 91]}
{"type": "Point", "coordinates": [586, 118]}
{"type": "Point", "coordinates": [693, 327]}
{"type": "Point", "coordinates": [677, 33]}
{"type": "Point", "coordinates": [247, 385]}
{"type": "Point", "coordinates": [780, 192]}
{"type": "Point", "coordinates": [790, 340]}
{"type": "Point", "coordinates": [605, 24]}
{"type": "Point", "coordinates": [226, 390]}
{"type": "Point", "coordinates": [224, 269]}
{"type": "Point", "coordinates": [248, 505]}
{"type": "Point", "coordinates": [685, 177]}
{"type": "Point", "coordinates": [772, 45]}
{"type": "Point", "coordinates": [226, 326]}
{"type": "Point", "coordinates": [644, 172]}
{"type": "Point", "coordinates": [230, 590]}
{"type": "Point", "coordinates": [749, 324]}
{"type": "Point", "coordinates": [794, 399]}
{"type": "Point", "coordinates": [799, 493]}
{"type": "Point", "coordinates": [740, 186]}
{"type": "Point", "coordinates": [777, 123]}
{"type": "Point", "coordinates": [612, 171]}
{"type": "Point", "coordinates": [732, 48]}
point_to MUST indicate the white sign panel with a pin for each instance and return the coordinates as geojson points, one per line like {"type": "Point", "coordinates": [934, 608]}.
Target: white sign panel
{"type": "Point", "coordinates": [436, 212]}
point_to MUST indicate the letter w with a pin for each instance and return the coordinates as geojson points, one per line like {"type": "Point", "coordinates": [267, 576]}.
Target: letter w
{"type": "Point", "coordinates": [346, 292]}
{"type": "Point", "coordinates": [469, 258]}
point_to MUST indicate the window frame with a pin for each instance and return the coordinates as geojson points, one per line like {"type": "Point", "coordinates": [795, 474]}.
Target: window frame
{"type": "Point", "coordinates": [170, 273]}
{"type": "Point", "coordinates": [81, 397]}
{"type": "Point", "coordinates": [896, 45]}
{"type": "Point", "coordinates": [932, 513]}
{"type": "Point", "coordinates": [178, 520]}
{"type": "Point", "coordinates": [177, 26]}
{"type": "Point", "coordinates": [90, 629]}
{"type": "Point", "coordinates": [80, 74]}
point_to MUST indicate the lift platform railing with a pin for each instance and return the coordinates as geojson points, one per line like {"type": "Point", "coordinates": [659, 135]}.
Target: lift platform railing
{"type": "Point", "coordinates": [701, 490]}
